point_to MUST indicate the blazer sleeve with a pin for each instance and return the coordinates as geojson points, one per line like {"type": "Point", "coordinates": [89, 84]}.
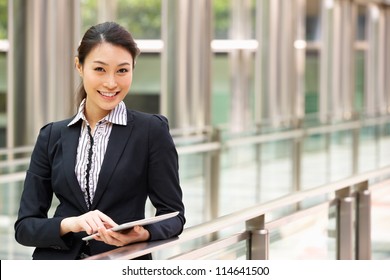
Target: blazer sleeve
{"type": "Point", "coordinates": [33, 227]}
{"type": "Point", "coordinates": [163, 180]}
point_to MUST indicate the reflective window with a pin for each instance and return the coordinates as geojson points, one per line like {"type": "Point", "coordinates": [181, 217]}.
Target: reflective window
{"type": "Point", "coordinates": [361, 23]}
{"type": "Point", "coordinates": [380, 218]}
{"type": "Point", "coordinates": [89, 14]}
{"type": "Point", "coordinates": [3, 19]}
{"type": "Point", "coordinates": [313, 20]}
{"type": "Point", "coordinates": [3, 98]}
{"type": "Point", "coordinates": [359, 81]}
{"type": "Point", "coordinates": [145, 90]}
{"type": "Point", "coordinates": [220, 89]}
{"type": "Point", "coordinates": [221, 19]}
{"type": "Point", "coordinates": [312, 81]}
{"type": "Point", "coordinates": [141, 17]}
{"type": "Point", "coordinates": [3, 72]}
{"type": "Point", "coordinates": [305, 238]}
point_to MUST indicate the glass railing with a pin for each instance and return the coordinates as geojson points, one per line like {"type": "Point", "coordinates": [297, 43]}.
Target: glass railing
{"type": "Point", "coordinates": [380, 217]}
{"type": "Point", "coordinates": [339, 227]}
{"type": "Point", "coordinates": [222, 173]}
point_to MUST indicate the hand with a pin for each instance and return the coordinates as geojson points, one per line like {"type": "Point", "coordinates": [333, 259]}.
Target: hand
{"type": "Point", "coordinates": [89, 222]}
{"type": "Point", "coordinates": [121, 238]}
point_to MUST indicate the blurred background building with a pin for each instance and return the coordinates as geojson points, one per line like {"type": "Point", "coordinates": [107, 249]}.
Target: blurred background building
{"type": "Point", "coordinates": [265, 98]}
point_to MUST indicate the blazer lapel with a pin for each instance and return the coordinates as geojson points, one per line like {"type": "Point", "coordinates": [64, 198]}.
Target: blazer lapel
{"type": "Point", "coordinates": [70, 137]}
{"type": "Point", "coordinates": [116, 145]}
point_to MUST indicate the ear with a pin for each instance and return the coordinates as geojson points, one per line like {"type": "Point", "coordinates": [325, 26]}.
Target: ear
{"type": "Point", "coordinates": [78, 66]}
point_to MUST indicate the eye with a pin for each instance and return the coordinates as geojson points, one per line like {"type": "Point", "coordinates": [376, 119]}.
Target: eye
{"type": "Point", "coordinates": [123, 70]}
{"type": "Point", "coordinates": [99, 69]}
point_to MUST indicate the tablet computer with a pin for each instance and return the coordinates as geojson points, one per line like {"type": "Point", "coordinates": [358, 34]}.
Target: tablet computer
{"type": "Point", "coordinates": [142, 222]}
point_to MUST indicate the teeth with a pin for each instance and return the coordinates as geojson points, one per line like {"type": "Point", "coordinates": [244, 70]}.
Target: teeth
{"type": "Point", "coordinates": [108, 94]}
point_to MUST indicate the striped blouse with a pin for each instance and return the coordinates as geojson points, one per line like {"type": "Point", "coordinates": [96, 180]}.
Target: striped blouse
{"type": "Point", "coordinates": [88, 174]}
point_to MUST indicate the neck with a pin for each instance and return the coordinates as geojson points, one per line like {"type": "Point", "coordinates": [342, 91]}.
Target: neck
{"type": "Point", "coordinates": [94, 116]}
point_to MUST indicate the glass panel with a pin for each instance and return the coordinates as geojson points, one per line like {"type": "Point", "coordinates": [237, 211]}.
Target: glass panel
{"type": "Point", "coordinates": [313, 21]}
{"type": "Point", "coordinates": [253, 19]}
{"type": "Point", "coordinates": [368, 154]}
{"type": "Point", "coordinates": [3, 19]}
{"type": "Point", "coordinates": [10, 249]}
{"type": "Point", "coordinates": [307, 238]}
{"type": "Point", "coordinates": [192, 180]}
{"type": "Point", "coordinates": [3, 98]}
{"type": "Point", "coordinates": [315, 160]}
{"type": "Point", "coordinates": [9, 205]}
{"type": "Point", "coordinates": [233, 252]}
{"type": "Point", "coordinates": [221, 18]}
{"type": "Point", "coordinates": [141, 17]}
{"type": "Point", "coordinates": [341, 155]}
{"type": "Point", "coordinates": [312, 82]}
{"type": "Point", "coordinates": [222, 87]}
{"type": "Point", "coordinates": [9, 198]}
{"type": "Point", "coordinates": [380, 214]}
{"type": "Point", "coordinates": [89, 14]}
{"type": "Point", "coordinates": [238, 179]}
{"type": "Point", "coordinates": [145, 90]}
{"type": "Point", "coordinates": [359, 81]}
{"type": "Point", "coordinates": [10, 191]}
{"type": "Point", "coordinates": [384, 144]}
{"type": "Point", "coordinates": [220, 90]}
{"type": "Point", "coordinates": [147, 74]}
{"type": "Point", "coordinates": [254, 173]}
{"type": "Point", "coordinates": [361, 23]}
{"type": "Point", "coordinates": [276, 170]}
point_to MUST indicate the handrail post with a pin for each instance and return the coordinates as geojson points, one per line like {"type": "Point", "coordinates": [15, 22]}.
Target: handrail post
{"type": "Point", "coordinates": [213, 179]}
{"type": "Point", "coordinates": [363, 222]}
{"type": "Point", "coordinates": [258, 243]}
{"type": "Point", "coordinates": [345, 220]}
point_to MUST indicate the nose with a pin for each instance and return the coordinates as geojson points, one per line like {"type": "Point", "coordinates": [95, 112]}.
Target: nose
{"type": "Point", "coordinates": [110, 82]}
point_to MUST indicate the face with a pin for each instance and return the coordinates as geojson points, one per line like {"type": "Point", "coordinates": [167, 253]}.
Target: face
{"type": "Point", "coordinates": [107, 74]}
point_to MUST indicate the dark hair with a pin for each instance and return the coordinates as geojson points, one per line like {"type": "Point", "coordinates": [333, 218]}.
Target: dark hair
{"type": "Point", "coordinates": [109, 32]}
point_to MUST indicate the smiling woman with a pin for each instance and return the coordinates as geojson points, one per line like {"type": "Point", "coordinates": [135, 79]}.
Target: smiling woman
{"type": "Point", "coordinates": [107, 75]}
{"type": "Point", "coordinates": [101, 164]}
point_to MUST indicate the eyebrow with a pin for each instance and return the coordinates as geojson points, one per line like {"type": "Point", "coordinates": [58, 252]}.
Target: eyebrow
{"type": "Point", "coordinates": [121, 64]}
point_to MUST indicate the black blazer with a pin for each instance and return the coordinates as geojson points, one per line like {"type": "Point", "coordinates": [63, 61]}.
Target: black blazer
{"type": "Point", "coordinates": [140, 161]}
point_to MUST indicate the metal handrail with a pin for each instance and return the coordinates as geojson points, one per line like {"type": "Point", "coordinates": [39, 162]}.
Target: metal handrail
{"type": "Point", "coordinates": [14, 162]}
{"type": "Point", "coordinates": [16, 150]}
{"type": "Point", "coordinates": [12, 177]}
{"type": "Point", "coordinates": [245, 215]}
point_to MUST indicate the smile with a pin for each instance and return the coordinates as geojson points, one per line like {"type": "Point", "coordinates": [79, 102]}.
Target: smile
{"type": "Point", "coordinates": [108, 94]}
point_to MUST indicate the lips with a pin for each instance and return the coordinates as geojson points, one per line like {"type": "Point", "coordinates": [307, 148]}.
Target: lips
{"type": "Point", "coordinates": [108, 94]}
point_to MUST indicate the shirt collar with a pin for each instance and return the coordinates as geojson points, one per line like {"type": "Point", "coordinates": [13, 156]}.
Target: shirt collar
{"type": "Point", "coordinates": [118, 115]}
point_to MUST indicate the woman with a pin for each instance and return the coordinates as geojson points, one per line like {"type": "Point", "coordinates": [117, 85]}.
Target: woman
{"type": "Point", "coordinates": [101, 164]}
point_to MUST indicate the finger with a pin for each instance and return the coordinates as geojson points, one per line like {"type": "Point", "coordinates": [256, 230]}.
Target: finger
{"type": "Point", "coordinates": [84, 225]}
{"type": "Point", "coordinates": [93, 222]}
{"type": "Point", "coordinates": [86, 222]}
{"type": "Point", "coordinates": [97, 219]}
{"type": "Point", "coordinates": [131, 236]}
{"type": "Point", "coordinates": [138, 229]}
{"type": "Point", "coordinates": [99, 236]}
{"type": "Point", "coordinates": [109, 237]}
{"type": "Point", "coordinates": [106, 219]}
